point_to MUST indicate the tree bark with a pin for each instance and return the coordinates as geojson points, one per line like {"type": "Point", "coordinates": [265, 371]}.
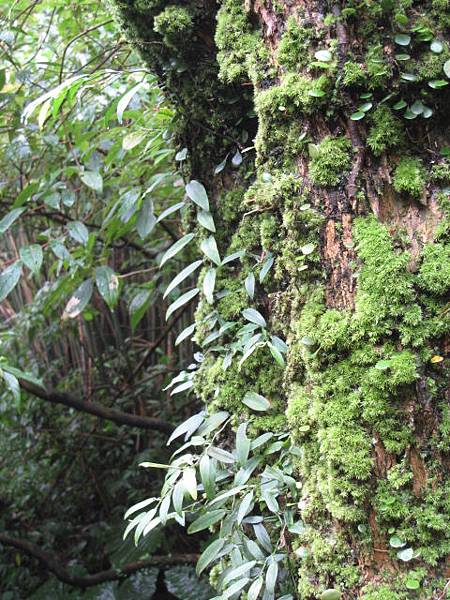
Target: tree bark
{"type": "Point", "coordinates": [347, 188]}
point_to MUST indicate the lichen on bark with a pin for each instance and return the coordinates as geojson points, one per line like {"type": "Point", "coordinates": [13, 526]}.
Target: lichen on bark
{"type": "Point", "coordinates": [349, 195]}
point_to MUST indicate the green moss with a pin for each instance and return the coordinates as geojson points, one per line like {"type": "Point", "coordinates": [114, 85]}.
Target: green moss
{"type": "Point", "coordinates": [294, 45]}
{"type": "Point", "coordinates": [379, 70]}
{"type": "Point", "coordinates": [410, 177]}
{"type": "Point", "coordinates": [382, 592]}
{"type": "Point", "coordinates": [224, 390]}
{"type": "Point", "coordinates": [430, 66]}
{"type": "Point", "coordinates": [386, 131]}
{"type": "Point", "coordinates": [175, 24]}
{"type": "Point", "coordinates": [330, 161]}
{"type": "Point", "coordinates": [241, 52]}
{"type": "Point", "coordinates": [280, 109]}
{"type": "Point", "coordinates": [328, 557]}
{"type": "Point", "coordinates": [434, 273]}
{"type": "Point", "coordinates": [441, 171]}
{"type": "Point", "coordinates": [353, 74]}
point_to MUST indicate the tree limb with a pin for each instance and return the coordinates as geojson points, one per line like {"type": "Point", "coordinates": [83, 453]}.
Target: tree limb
{"type": "Point", "coordinates": [103, 412]}
{"type": "Point", "coordinates": [54, 564]}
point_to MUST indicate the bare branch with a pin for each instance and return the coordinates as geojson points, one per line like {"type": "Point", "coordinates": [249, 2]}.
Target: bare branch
{"type": "Point", "coordinates": [103, 412]}
{"type": "Point", "coordinates": [54, 564]}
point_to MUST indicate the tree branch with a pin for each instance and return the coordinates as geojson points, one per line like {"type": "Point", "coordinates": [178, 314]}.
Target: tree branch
{"type": "Point", "coordinates": [103, 412]}
{"type": "Point", "coordinates": [54, 564]}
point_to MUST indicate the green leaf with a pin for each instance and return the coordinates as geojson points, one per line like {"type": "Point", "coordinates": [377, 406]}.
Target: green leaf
{"type": "Point", "coordinates": [417, 107]}
{"type": "Point", "coordinates": [446, 68]}
{"type": "Point", "coordinates": [396, 542]}
{"type": "Point", "coordinates": [132, 140]}
{"type": "Point", "coordinates": [188, 427]}
{"type": "Point", "coordinates": [181, 301]}
{"type": "Point", "coordinates": [308, 249]}
{"type": "Point", "coordinates": [125, 101]}
{"type": "Point", "coordinates": [206, 520]}
{"type": "Point", "coordinates": [436, 84]}
{"type": "Point", "coordinates": [402, 39]}
{"type": "Point", "coordinates": [256, 402]}
{"type": "Point", "coordinates": [185, 334]}
{"type": "Point", "coordinates": [408, 76]}
{"type": "Point", "coordinates": [146, 219]}
{"type": "Point", "coordinates": [436, 46]}
{"type": "Point", "coordinates": [178, 497]}
{"type": "Point", "coordinates": [78, 232]}
{"type": "Point", "coordinates": [358, 115]}
{"type": "Point", "coordinates": [399, 105]}
{"type": "Point", "coordinates": [209, 249]}
{"type": "Point", "coordinates": [12, 384]}
{"type": "Point", "coordinates": [244, 507]}
{"type": "Point", "coordinates": [221, 455]}
{"type": "Point", "coordinates": [323, 55]}
{"type": "Point", "coordinates": [238, 572]}
{"type": "Point", "coordinates": [9, 278]}
{"type": "Point", "coordinates": [209, 555]}
{"type": "Point", "coordinates": [177, 247]}
{"type": "Point", "coordinates": [271, 577]}
{"type": "Point", "coordinates": [107, 284]}
{"type": "Point", "coordinates": [197, 193]}
{"type": "Point", "coordinates": [138, 307]}
{"type": "Point", "coordinates": [254, 316]}
{"type": "Point", "coordinates": [242, 444]}
{"type": "Point", "coordinates": [190, 482]}
{"type": "Point", "coordinates": [412, 584]}
{"type": "Point", "coordinates": [9, 219]}
{"type": "Point", "coordinates": [255, 589]}
{"type": "Point", "coordinates": [405, 555]}
{"type": "Point", "coordinates": [32, 257]}
{"type": "Point", "coordinates": [181, 155]}
{"type": "Point", "coordinates": [138, 506]}
{"type": "Point", "coordinates": [266, 268]}
{"type": "Point", "coordinates": [93, 180]}
{"type": "Point", "coordinates": [184, 274]}
{"type": "Point", "coordinates": [402, 56]}
{"type": "Point", "coordinates": [209, 283]}
{"type": "Point", "coordinates": [250, 285]}
{"type": "Point", "coordinates": [207, 476]}
{"type": "Point", "coordinates": [235, 588]}
{"type": "Point", "coordinates": [79, 300]}
{"type": "Point", "coordinates": [168, 211]}
{"type": "Point", "coordinates": [277, 355]}
{"type": "Point", "coordinates": [206, 220]}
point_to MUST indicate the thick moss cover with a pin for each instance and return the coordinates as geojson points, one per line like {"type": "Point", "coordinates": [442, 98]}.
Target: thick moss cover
{"type": "Point", "coordinates": [365, 389]}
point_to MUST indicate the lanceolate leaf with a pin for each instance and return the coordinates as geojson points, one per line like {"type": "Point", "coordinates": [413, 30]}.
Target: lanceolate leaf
{"type": "Point", "coordinates": [138, 307]}
{"type": "Point", "coordinates": [254, 316]}
{"type": "Point", "coordinates": [206, 520]}
{"type": "Point", "coordinates": [188, 427]}
{"type": "Point", "coordinates": [181, 301]}
{"type": "Point", "coordinates": [182, 276]}
{"type": "Point", "coordinates": [126, 99]}
{"type": "Point", "coordinates": [256, 401]}
{"type": "Point", "coordinates": [209, 555]}
{"type": "Point", "coordinates": [186, 333]}
{"type": "Point", "coordinates": [208, 285]}
{"type": "Point", "coordinates": [177, 247]}
{"type": "Point", "coordinates": [9, 219]}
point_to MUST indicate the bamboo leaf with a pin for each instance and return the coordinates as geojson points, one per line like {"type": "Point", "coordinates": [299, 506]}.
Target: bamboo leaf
{"type": "Point", "coordinates": [177, 247]}
{"type": "Point", "coordinates": [181, 301]}
{"type": "Point", "coordinates": [184, 274]}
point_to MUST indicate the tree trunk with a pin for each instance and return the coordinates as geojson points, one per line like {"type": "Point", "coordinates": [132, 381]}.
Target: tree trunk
{"type": "Point", "coordinates": [346, 188]}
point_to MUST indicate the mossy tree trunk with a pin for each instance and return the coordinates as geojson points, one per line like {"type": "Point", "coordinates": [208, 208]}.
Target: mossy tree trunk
{"type": "Point", "coordinates": [346, 187]}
